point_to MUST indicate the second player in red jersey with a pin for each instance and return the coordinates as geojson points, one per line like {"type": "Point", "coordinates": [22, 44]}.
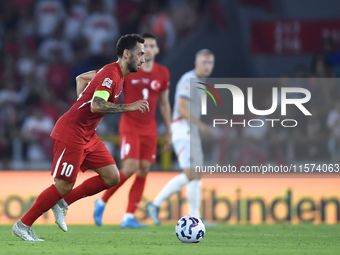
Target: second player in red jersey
{"type": "Point", "coordinates": [146, 85]}
{"type": "Point", "coordinates": [138, 134]}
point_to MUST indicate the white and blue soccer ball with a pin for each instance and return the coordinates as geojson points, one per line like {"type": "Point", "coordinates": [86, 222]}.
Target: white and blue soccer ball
{"type": "Point", "coordinates": [190, 229]}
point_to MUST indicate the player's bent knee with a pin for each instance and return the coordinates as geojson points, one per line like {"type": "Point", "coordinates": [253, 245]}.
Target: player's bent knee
{"type": "Point", "coordinates": [142, 172]}
{"type": "Point", "coordinates": [144, 168]}
{"type": "Point", "coordinates": [130, 167]}
{"type": "Point", "coordinates": [64, 187]}
{"type": "Point", "coordinates": [109, 174]}
{"type": "Point", "coordinates": [128, 171]}
{"type": "Point", "coordinates": [113, 178]}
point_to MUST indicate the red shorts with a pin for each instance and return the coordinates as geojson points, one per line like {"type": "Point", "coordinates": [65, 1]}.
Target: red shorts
{"type": "Point", "coordinates": [138, 146]}
{"type": "Point", "coordinates": [67, 160]}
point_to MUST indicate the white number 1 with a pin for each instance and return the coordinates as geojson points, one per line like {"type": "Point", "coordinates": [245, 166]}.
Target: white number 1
{"type": "Point", "coordinates": [145, 94]}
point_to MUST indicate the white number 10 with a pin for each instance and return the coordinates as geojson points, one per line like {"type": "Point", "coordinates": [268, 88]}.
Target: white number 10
{"type": "Point", "coordinates": [69, 169]}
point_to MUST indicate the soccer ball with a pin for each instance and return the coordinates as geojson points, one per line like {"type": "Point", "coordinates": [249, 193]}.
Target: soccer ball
{"type": "Point", "coordinates": [190, 229]}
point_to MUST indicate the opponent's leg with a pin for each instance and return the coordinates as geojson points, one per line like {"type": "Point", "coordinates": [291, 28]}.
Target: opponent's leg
{"type": "Point", "coordinates": [194, 191]}
{"type": "Point", "coordinates": [194, 194]}
{"type": "Point", "coordinates": [182, 149]}
{"type": "Point", "coordinates": [194, 197]}
{"type": "Point", "coordinates": [172, 187]}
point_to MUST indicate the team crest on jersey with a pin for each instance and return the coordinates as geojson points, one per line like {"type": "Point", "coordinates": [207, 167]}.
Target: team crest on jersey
{"type": "Point", "coordinates": [155, 85]}
{"type": "Point", "coordinates": [107, 82]}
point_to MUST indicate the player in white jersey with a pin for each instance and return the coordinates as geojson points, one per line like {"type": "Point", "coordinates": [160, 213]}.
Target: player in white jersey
{"type": "Point", "coordinates": [181, 134]}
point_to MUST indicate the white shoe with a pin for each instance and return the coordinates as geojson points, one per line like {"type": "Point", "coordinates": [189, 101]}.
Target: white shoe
{"type": "Point", "coordinates": [59, 211]}
{"type": "Point", "coordinates": [24, 232]}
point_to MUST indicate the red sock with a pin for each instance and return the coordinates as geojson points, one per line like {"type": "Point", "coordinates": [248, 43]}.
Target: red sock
{"type": "Point", "coordinates": [45, 201]}
{"type": "Point", "coordinates": [135, 194]}
{"type": "Point", "coordinates": [109, 192]}
{"type": "Point", "coordinates": [89, 187]}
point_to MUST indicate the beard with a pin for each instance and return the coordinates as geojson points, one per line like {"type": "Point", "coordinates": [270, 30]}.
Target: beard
{"type": "Point", "coordinates": [131, 65]}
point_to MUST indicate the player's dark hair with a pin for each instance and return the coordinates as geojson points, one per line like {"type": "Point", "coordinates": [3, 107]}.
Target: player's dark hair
{"type": "Point", "coordinates": [149, 35]}
{"type": "Point", "coordinates": [128, 42]}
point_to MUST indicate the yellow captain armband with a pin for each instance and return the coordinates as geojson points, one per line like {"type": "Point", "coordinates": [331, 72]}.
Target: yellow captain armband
{"type": "Point", "coordinates": [102, 94]}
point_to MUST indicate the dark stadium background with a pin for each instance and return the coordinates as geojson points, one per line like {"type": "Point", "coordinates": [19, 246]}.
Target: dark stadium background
{"type": "Point", "coordinates": [43, 47]}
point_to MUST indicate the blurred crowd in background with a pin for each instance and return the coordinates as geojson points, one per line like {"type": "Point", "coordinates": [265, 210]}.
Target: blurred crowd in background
{"type": "Point", "coordinates": [45, 44]}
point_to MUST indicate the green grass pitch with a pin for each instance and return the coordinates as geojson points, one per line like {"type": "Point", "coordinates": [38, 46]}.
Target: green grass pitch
{"type": "Point", "coordinates": [223, 239]}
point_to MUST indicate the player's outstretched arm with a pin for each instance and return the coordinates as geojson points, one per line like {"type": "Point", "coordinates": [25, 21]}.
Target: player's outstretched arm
{"type": "Point", "coordinates": [100, 105]}
{"type": "Point", "coordinates": [83, 79]}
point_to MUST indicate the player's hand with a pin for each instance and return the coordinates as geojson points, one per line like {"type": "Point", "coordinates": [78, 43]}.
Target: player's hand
{"type": "Point", "coordinates": [205, 129]}
{"type": "Point", "coordinates": [140, 105]}
{"type": "Point", "coordinates": [167, 141]}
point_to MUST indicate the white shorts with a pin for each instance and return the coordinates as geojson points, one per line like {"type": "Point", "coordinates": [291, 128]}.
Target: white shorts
{"type": "Point", "coordinates": [182, 150]}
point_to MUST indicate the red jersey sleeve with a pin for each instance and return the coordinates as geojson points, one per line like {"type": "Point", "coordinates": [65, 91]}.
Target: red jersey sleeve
{"type": "Point", "coordinates": [166, 81]}
{"type": "Point", "coordinates": [105, 79]}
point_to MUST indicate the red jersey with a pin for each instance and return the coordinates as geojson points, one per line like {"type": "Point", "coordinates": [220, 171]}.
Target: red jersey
{"type": "Point", "coordinates": [147, 86]}
{"type": "Point", "coordinates": [77, 127]}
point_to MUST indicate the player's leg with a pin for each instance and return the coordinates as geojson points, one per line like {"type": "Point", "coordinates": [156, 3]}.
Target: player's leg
{"type": "Point", "coordinates": [66, 169]}
{"type": "Point", "coordinates": [107, 177]}
{"type": "Point", "coordinates": [61, 170]}
{"type": "Point", "coordinates": [182, 149]}
{"type": "Point", "coordinates": [194, 186]}
{"type": "Point", "coordinates": [129, 167]}
{"type": "Point", "coordinates": [135, 195]}
{"type": "Point", "coordinates": [194, 192]}
{"type": "Point", "coordinates": [129, 154]}
{"type": "Point", "coordinates": [148, 150]}
{"type": "Point", "coordinates": [60, 208]}
{"type": "Point", "coordinates": [100, 160]}
{"type": "Point", "coordinates": [45, 201]}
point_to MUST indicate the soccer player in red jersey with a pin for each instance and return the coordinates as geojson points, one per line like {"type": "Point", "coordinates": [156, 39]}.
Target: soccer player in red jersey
{"type": "Point", "coordinates": [76, 145]}
{"type": "Point", "coordinates": [138, 134]}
